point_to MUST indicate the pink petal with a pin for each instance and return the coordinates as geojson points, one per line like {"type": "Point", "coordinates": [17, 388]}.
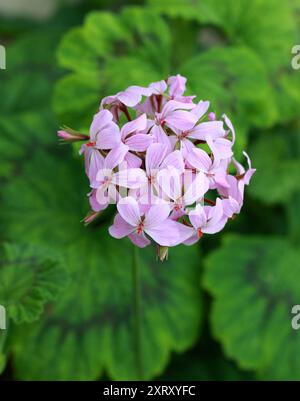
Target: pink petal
{"type": "Point", "coordinates": [95, 163]}
{"type": "Point", "coordinates": [158, 88]}
{"type": "Point", "coordinates": [139, 142]}
{"type": "Point", "coordinates": [173, 105]}
{"type": "Point", "coordinates": [133, 95]}
{"type": "Point", "coordinates": [170, 233]}
{"type": "Point", "coordinates": [97, 207]}
{"type": "Point", "coordinates": [102, 195]}
{"type": "Point", "coordinates": [169, 180]}
{"type": "Point", "coordinates": [108, 138]}
{"type": "Point", "coordinates": [176, 85]}
{"type": "Point", "coordinates": [199, 159]}
{"type": "Point", "coordinates": [186, 147]}
{"type": "Point", "coordinates": [130, 178]}
{"type": "Point", "coordinates": [159, 136]}
{"type": "Point", "coordinates": [100, 121]}
{"type": "Point", "coordinates": [116, 156]}
{"type": "Point", "coordinates": [216, 227]}
{"type": "Point", "coordinates": [200, 109]}
{"type": "Point", "coordinates": [180, 119]}
{"type": "Point", "coordinates": [230, 126]}
{"type": "Point", "coordinates": [156, 215]}
{"type": "Point", "coordinates": [230, 207]}
{"type": "Point", "coordinates": [120, 227]}
{"type": "Point", "coordinates": [197, 189]}
{"type": "Point", "coordinates": [174, 159]}
{"type": "Point", "coordinates": [139, 124]}
{"type": "Point", "coordinates": [129, 210]}
{"type": "Point", "coordinates": [132, 161]}
{"type": "Point", "coordinates": [221, 148]}
{"type": "Point", "coordinates": [213, 129]}
{"type": "Point", "coordinates": [192, 240]}
{"type": "Point", "coordinates": [198, 217]}
{"type": "Point", "coordinates": [139, 240]}
{"type": "Point", "coordinates": [220, 178]}
{"type": "Point", "coordinates": [154, 156]}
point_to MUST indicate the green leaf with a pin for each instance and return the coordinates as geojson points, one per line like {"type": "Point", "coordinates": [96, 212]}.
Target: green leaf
{"type": "Point", "coordinates": [188, 9]}
{"type": "Point", "coordinates": [29, 60]}
{"type": "Point", "coordinates": [266, 26]}
{"type": "Point", "coordinates": [203, 362]}
{"type": "Point", "coordinates": [20, 136]}
{"type": "Point", "coordinates": [108, 54]}
{"type": "Point", "coordinates": [273, 155]}
{"type": "Point", "coordinates": [287, 85]}
{"type": "Point", "coordinates": [76, 98]}
{"type": "Point", "coordinates": [254, 282]}
{"type": "Point", "coordinates": [28, 280]}
{"type": "Point", "coordinates": [90, 326]}
{"type": "Point", "coordinates": [235, 82]}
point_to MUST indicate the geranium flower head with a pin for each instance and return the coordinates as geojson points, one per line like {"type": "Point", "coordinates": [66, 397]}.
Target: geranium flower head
{"type": "Point", "coordinates": [168, 168]}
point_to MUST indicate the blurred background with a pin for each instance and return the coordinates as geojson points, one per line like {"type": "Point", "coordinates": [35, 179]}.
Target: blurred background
{"type": "Point", "coordinates": [217, 310]}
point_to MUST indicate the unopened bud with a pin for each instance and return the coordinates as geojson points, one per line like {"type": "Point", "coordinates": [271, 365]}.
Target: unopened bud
{"type": "Point", "coordinates": [90, 217]}
{"type": "Point", "coordinates": [211, 116]}
{"type": "Point", "coordinates": [162, 252]}
{"type": "Point", "coordinates": [69, 135]}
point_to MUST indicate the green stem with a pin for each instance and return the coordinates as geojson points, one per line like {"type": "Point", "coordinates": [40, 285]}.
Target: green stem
{"type": "Point", "coordinates": [136, 285]}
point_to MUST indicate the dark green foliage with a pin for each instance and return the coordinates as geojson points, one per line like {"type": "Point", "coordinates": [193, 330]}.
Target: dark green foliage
{"type": "Point", "coordinates": [219, 310]}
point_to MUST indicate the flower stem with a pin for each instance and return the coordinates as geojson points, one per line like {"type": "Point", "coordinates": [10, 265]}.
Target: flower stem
{"type": "Point", "coordinates": [136, 286]}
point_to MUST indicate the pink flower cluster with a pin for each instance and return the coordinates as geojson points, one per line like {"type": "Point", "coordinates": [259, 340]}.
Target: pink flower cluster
{"type": "Point", "coordinates": [165, 162]}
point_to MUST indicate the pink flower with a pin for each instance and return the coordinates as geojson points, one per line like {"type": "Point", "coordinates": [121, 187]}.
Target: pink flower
{"type": "Point", "coordinates": [179, 193]}
{"type": "Point", "coordinates": [162, 166]}
{"type": "Point", "coordinates": [215, 171]}
{"type": "Point", "coordinates": [234, 194]}
{"type": "Point", "coordinates": [133, 222]}
{"type": "Point", "coordinates": [107, 180]}
{"type": "Point", "coordinates": [206, 219]}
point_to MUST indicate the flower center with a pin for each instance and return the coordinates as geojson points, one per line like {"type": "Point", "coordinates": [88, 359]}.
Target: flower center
{"type": "Point", "coordinates": [177, 207]}
{"type": "Point", "coordinates": [183, 135]}
{"type": "Point", "coordinates": [140, 228]}
{"type": "Point", "coordinates": [200, 233]}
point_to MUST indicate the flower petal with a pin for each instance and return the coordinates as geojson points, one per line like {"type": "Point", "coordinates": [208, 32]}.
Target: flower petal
{"type": "Point", "coordinates": [169, 180]}
{"type": "Point", "coordinates": [154, 156]}
{"type": "Point", "coordinates": [174, 159]}
{"type": "Point", "coordinates": [196, 190]}
{"type": "Point", "coordinates": [200, 109]}
{"type": "Point", "coordinates": [109, 137]}
{"type": "Point", "coordinates": [176, 85]}
{"type": "Point", "coordinates": [116, 156]}
{"type": "Point", "coordinates": [139, 142]}
{"type": "Point", "coordinates": [129, 210]}
{"type": "Point", "coordinates": [139, 240]}
{"type": "Point", "coordinates": [170, 233]}
{"type": "Point", "coordinates": [199, 159]}
{"type": "Point", "coordinates": [120, 227]}
{"type": "Point", "coordinates": [198, 217]}
{"type": "Point", "coordinates": [180, 119]}
{"type": "Point", "coordinates": [156, 215]}
{"type": "Point", "coordinates": [102, 119]}
{"type": "Point", "coordinates": [130, 178]}
{"type": "Point", "coordinates": [139, 124]}
{"type": "Point", "coordinates": [212, 129]}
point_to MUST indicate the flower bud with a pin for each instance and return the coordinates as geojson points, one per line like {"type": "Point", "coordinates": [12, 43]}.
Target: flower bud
{"type": "Point", "coordinates": [162, 252]}
{"type": "Point", "coordinates": [211, 116]}
{"type": "Point", "coordinates": [68, 135]}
